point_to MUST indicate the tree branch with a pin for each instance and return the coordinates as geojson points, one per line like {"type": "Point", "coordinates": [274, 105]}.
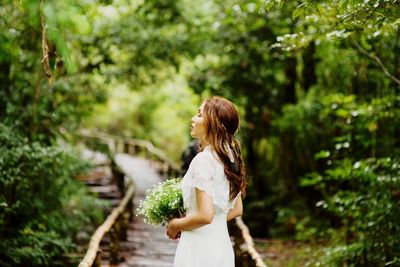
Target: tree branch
{"type": "Point", "coordinates": [377, 60]}
{"type": "Point", "coordinates": [45, 47]}
{"type": "Point", "coordinates": [372, 13]}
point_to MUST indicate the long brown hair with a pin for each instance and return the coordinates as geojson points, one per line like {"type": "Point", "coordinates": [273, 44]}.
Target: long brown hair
{"type": "Point", "coordinates": [222, 122]}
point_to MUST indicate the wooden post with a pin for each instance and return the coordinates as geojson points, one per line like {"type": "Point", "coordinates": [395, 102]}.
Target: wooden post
{"type": "Point", "coordinates": [126, 148]}
{"type": "Point", "coordinates": [163, 169]}
{"type": "Point", "coordinates": [130, 208]}
{"type": "Point", "coordinates": [119, 146]}
{"type": "Point", "coordinates": [119, 179]}
{"type": "Point", "coordinates": [138, 150]}
{"type": "Point", "coordinates": [114, 234]}
{"type": "Point", "coordinates": [112, 146]}
{"type": "Point", "coordinates": [169, 171]}
{"type": "Point", "coordinates": [97, 260]}
{"type": "Point", "coordinates": [121, 182]}
{"type": "Point", "coordinates": [131, 150]}
{"type": "Point", "coordinates": [124, 222]}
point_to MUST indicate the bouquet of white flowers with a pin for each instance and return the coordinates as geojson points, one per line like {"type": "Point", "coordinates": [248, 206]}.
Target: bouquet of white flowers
{"type": "Point", "coordinates": [163, 202]}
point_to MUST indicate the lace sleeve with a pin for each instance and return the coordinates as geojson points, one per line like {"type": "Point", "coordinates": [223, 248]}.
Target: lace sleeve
{"type": "Point", "coordinates": [202, 174]}
{"type": "Point", "coordinates": [207, 174]}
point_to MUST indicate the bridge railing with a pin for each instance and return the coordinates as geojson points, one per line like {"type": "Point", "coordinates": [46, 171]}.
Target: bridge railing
{"type": "Point", "coordinates": [118, 144]}
{"type": "Point", "coordinates": [117, 222]}
{"type": "Point", "coordinates": [245, 253]}
{"type": "Point", "coordinates": [116, 225]}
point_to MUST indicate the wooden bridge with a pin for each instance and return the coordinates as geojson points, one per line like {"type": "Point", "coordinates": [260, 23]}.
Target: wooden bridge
{"type": "Point", "coordinates": [124, 239]}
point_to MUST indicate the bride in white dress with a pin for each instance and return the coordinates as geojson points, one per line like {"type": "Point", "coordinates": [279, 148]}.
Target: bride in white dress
{"type": "Point", "coordinates": [212, 189]}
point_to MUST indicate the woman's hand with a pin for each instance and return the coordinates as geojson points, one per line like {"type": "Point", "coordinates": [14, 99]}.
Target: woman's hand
{"type": "Point", "coordinates": [173, 231]}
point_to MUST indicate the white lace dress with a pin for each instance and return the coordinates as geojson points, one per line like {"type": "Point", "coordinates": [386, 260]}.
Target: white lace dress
{"type": "Point", "coordinates": [209, 245]}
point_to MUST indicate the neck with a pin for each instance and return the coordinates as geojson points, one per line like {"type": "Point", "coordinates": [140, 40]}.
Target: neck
{"type": "Point", "coordinates": [203, 141]}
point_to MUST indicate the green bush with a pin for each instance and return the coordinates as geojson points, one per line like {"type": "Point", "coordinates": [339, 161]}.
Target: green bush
{"type": "Point", "coordinates": [365, 195]}
{"type": "Point", "coordinates": [367, 199]}
{"type": "Point", "coordinates": [41, 207]}
{"type": "Point", "coordinates": [355, 179]}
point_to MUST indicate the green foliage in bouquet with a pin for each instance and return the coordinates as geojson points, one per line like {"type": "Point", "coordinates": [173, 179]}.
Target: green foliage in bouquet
{"type": "Point", "coordinates": [163, 202]}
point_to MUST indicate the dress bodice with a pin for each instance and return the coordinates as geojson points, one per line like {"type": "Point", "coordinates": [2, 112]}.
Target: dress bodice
{"type": "Point", "coordinates": [206, 172]}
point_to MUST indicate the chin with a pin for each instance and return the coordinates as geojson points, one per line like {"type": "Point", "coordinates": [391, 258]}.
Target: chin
{"type": "Point", "coordinates": [193, 134]}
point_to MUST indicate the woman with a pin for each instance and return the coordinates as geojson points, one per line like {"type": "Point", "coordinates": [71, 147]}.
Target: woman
{"type": "Point", "coordinates": [212, 189]}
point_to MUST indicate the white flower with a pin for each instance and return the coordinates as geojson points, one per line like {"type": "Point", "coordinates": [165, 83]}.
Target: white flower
{"type": "Point", "coordinates": [162, 202]}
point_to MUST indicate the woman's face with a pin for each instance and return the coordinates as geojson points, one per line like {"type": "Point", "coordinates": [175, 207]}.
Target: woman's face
{"type": "Point", "coordinates": [198, 128]}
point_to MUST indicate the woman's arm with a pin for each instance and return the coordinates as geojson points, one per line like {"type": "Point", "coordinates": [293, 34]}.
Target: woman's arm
{"type": "Point", "coordinates": [203, 215]}
{"type": "Point", "coordinates": [237, 210]}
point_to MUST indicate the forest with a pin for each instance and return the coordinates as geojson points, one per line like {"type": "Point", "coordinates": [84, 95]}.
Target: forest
{"type": "Point", "coordinates": [316, 82]}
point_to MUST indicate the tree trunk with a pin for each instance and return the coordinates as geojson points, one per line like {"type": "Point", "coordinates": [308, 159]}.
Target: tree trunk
{"type": "Point", "coordinates": [287, 153]}
{"type": "Point", "coordinates": [309, 76]}
{"type": "Point", "coordinates": [251, 157]}
{"type": "Point", "coordinates": [5, 86]}
{"type": "Point", "coordinates": [290, 88]}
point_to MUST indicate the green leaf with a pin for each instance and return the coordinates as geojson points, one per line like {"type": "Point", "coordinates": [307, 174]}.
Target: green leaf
{"type": "Point", "coordinates": [343, 113]}
{"type": "Point", "coordinates": [323, 154]}
{"type": "Point", "coordinates": [269, 4]}
{"type": "Point", "coordinates": [297, 12]}
{"type": "Point", "coordinates": [312, 179]}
